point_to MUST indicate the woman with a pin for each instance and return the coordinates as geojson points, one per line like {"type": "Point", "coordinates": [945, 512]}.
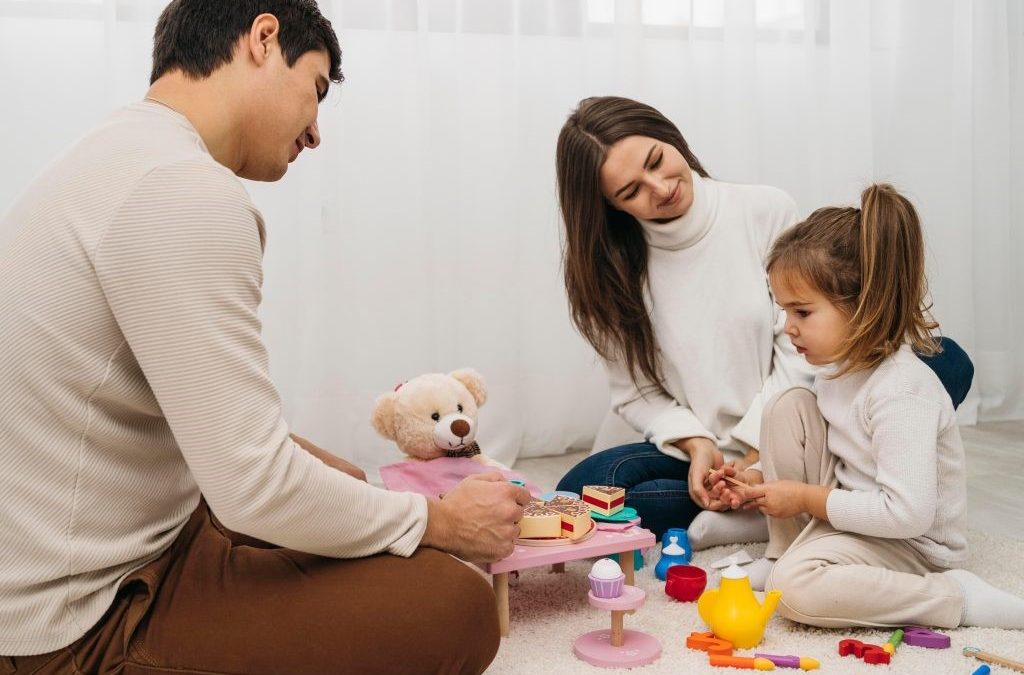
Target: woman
{"type": "Point", "coordinates": [664, 269]}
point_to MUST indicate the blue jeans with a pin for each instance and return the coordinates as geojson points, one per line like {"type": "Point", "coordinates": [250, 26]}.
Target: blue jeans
{"type": "Point", "coordinates": [656, 484]}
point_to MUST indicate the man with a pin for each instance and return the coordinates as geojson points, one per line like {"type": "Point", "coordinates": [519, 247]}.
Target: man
{"type": "Point", "coordinates": [158, 515]}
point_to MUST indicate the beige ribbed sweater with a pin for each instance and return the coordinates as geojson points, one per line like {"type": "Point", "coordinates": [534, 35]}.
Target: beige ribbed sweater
{"type": "Point", "coordinates": [901, 468]}
{"type": "Point", "coordinates": [133, 376]}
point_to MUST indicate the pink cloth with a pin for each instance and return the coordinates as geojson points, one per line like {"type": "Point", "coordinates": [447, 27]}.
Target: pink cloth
{"type": "Point", "coordinates": [438, 476]}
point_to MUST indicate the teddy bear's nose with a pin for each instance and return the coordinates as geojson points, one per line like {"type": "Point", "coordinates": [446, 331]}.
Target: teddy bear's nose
{"type": "Point", "coordinates": [460, 428]}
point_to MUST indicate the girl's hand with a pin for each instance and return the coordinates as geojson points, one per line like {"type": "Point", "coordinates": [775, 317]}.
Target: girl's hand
{"type": "Point", "coordinates": [779, 498]}
{"type": "Point", "coordinates": [733, 496]}
{"type": "Point", "coordinates": [704, 456]}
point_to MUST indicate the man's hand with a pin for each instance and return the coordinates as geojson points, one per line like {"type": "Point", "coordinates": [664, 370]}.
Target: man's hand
{"type": "Point", "coordinates": [704, 456]}
{"type": "Point", "coordinates": [788, 498]}
{"type": "Point", "coordinates": [476, 521]}
{"type": "Point", "coordinates": [329, 459]}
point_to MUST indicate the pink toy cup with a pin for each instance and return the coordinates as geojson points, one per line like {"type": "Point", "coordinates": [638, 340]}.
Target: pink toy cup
{"type": "Point", "coordinates": [607, 588]}
{"type": "Point", "coordinates": [685, 582]}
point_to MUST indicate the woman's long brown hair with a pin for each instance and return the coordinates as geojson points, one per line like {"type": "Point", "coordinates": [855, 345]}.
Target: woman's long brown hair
{"type": "Point", "coordinates": [605, 254]}
{"type": "Point", "coordinates": [869, 263]}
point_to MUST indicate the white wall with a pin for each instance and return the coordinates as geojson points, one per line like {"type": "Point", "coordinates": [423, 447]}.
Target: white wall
{"type": "Point", "coordinates": [423, 235]}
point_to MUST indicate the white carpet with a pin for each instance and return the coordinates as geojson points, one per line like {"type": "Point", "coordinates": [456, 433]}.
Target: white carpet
{"type": "Point", "coordinates": [549, 611]}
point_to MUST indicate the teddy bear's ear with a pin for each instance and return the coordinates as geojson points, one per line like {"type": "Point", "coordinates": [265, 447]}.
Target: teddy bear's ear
{"type": "Point", "coordinates": [384, 415]}
{"type": "Point", "coordinates": [473, 381]}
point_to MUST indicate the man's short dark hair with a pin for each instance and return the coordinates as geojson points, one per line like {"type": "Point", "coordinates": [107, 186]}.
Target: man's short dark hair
{"type": "Point", "coordinates": [198, 36]}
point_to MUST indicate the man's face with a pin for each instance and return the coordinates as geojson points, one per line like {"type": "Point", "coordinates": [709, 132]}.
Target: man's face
{"type": "Point", "coordinates": [283, 122]}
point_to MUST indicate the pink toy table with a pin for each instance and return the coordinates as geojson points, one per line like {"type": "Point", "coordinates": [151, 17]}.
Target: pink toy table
{"type": "Point", "coordinates": [602, 543]}
{"type": "Point", "coordinates": [617, 648]}
{"type": "Point", "coordinates": [440, 475]}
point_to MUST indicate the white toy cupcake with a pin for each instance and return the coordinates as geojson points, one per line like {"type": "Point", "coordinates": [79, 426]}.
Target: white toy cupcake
{"type": "Point", "coordinates": [606, 579]}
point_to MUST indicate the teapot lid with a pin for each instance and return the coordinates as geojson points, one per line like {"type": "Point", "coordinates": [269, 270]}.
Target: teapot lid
{"type": "Point", "coordinates": [673, 547]}
{"type": "Point", "coordinates": [734, 571]}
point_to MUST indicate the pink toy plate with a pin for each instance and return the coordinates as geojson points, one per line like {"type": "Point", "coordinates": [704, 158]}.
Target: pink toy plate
{"type": "Point", "coordinates": [617, 527]}
{"type": "Point", "coordinates": [557, 541]}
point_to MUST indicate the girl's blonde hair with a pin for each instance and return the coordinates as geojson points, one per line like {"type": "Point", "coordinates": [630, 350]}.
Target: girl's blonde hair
{"type": "Point", "coordinates": [869, 263]}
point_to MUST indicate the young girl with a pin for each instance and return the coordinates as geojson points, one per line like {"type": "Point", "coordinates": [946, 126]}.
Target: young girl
{"type": "Point", "coordinates": [863, 480]}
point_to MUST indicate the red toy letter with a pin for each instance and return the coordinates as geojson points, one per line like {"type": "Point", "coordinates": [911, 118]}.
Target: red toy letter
{"type": "Point", "coordinates": [870, 653]}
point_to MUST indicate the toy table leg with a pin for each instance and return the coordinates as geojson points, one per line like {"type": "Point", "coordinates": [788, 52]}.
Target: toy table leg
{"type": "Point", "coordinates": [500, 581]}
{"type": "Point", "coordinates": [626, 563]}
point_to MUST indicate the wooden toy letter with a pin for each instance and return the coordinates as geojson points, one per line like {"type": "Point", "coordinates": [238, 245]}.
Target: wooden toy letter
{"type": "Point", "coordinates": [918, 636]}
{"type": "Point", "coordinates": [870, 653]}
{"type": "Point", "coordinates": [707, 642]}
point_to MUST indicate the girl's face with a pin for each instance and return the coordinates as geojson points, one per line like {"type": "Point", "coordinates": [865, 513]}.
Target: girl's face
{"type": "Point", "coordinates": [816, 327]}
{"type": "Point", "coordinates": [646, 178]}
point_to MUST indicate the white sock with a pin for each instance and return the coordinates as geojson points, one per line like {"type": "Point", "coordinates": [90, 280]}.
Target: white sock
{"type": "Point", "coordinates": [985, 605]}
{"type": "Point", "coordinates": [758, 572]}
{"type": "Point", "coordinates": [715, 528]}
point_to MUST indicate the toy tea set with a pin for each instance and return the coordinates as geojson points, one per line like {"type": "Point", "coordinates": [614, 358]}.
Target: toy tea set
{"type": "Point", "coordinates": [736, 619]}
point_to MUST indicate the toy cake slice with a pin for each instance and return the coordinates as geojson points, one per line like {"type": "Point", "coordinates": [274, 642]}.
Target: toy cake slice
{"type": "Point", "coordinates": [575, 513]}
{"type": "Point", "coordinates": [604, 499]}
{"type": "Point", "coordinates": [539, 521]}
{"type": "Point", "coordinates": [562, 517]}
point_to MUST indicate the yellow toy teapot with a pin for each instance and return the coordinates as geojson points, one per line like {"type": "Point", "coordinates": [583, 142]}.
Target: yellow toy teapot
{"type": "Point", "coordinates": [732, 611]}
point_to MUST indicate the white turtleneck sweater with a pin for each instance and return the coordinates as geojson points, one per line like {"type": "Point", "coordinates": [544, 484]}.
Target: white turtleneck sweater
{"type": "Point", "coordinates": [901, 468]}
{"type": "Point", "coordinates": [720, 334]}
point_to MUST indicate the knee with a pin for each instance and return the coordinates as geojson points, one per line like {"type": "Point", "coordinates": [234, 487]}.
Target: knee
{"type": "Point", "coordinates": [804, 595]}
{"type": "Point", "coordinates": [790, 403]}
{"type": "Point", "coordinates": [463, 626]}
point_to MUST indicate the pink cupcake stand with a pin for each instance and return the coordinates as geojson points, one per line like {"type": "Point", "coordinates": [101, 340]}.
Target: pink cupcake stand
{"type": "Point", "coordinates": [618, 647]}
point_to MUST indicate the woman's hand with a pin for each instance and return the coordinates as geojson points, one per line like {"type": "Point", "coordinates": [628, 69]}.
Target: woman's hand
{"type": "Point", "coordinates": [704, 457]}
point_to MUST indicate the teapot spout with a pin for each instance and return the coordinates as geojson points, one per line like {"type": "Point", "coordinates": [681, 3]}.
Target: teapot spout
{"type": "Point", "coordinates": [771, 601]}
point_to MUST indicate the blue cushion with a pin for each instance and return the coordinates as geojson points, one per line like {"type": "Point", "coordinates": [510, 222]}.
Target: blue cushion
{"type": "Point", "coordinates": [954, 368]}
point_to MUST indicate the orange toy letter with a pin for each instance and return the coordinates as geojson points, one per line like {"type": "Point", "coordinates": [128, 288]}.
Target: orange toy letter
{"type": "Point", "coordinates": [707, 642]}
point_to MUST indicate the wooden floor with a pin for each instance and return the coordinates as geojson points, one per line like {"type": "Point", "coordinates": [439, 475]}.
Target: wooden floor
{"type": "Point", "coordinates": [995, 475]}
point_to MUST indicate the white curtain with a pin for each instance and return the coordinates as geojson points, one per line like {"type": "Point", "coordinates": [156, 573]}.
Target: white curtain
{"type": "Point", "coordinates": [423, 235]}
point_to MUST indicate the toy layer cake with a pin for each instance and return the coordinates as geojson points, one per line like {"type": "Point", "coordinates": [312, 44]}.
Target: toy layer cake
{"type": "Point", "coordinates": [604, 499]}
{"type": "Point", "coordinates": [562, 517]}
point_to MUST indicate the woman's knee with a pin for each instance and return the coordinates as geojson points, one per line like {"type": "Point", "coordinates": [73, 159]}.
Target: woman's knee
{"type": "Point", "coordinates": [594, 470]}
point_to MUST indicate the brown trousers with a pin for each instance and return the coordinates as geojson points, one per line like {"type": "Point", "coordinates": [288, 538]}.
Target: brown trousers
{"type": "Point", "coordinates": [217, 602]}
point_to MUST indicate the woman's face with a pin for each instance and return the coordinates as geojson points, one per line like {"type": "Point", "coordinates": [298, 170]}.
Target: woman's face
{"type": "Point", "coordinates": [647, 178]}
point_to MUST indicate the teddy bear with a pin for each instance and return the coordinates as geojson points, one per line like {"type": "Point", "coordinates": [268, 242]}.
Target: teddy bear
{"type": "Point", "coordinates": [434, 415]}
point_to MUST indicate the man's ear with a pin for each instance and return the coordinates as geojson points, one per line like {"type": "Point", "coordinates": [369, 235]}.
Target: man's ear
{"type": "Point", "coordinates": [262, 37]}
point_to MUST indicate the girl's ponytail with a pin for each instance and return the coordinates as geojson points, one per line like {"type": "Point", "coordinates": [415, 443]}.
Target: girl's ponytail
{"type": "Point", "coordinates": [892, 305]}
